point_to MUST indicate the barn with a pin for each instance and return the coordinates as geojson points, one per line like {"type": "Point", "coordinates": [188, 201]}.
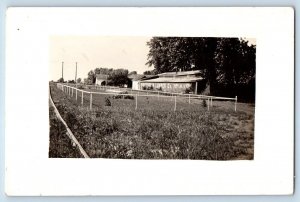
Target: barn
{"type": "Point", "coordinates": [177, 82]}
{"type": "Point", "coordinates": [101, 79]}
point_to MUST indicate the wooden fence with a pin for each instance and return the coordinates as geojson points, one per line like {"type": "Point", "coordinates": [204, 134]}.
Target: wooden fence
{"type": "Point", "coordinates": [70, 89]}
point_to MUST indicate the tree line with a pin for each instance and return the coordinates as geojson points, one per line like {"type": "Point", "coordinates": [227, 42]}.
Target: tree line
{"type": "Point", "coordinates": [115, 77]}
{"type": "Point", "coordinates": [226, 64]}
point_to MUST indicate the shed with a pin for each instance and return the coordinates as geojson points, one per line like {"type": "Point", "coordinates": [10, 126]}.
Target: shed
{"type": "Point", "coordinates": [101, 79]}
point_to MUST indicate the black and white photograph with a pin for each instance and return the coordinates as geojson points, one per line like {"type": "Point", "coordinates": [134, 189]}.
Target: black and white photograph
{"type": "Point", "coordinates": [122, 101]}
{"type": "Point", "coordinates": [152, 97]}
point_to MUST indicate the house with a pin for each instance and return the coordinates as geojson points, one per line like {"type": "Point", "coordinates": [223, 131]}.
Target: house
{"type": "Point", "coordinates": [101, 79]}
{"type": "Point", "coordinates": [177, 82]}
{"type": "Point", "coordinates": [136, 78]}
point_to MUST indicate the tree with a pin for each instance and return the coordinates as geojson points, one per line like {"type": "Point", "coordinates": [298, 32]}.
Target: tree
{"type": "Point", "coordinates": [91, 79]}
{"type": "Point", "coordinates": [103, 70]}
{"type": "Point", "coordinates": [79, 80]}
{"type": "Point", "coordinates": [118, 77]}
{"type": "Point", "coordinates": [61, 80]}
{"type": "Point", "coordinates": [183, 53]}
{"type": "Point", "coordinates": [152, 72]}
{"type": "Point", "coordinates": [133, 72]}
{"type": "Point", "coordinates": [223, 62]}
{"type": "Point", "coordinates": [85, 81]}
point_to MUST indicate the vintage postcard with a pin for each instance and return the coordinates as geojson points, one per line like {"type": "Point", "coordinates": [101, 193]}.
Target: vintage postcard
{"type": "Point", "coordinates": [149, 101]}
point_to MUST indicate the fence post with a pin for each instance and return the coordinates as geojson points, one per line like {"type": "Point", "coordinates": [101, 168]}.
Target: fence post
{"type": "Point", "coordinates": [76, 93]}
{"type": "Point", "coordinates": [211, 101]}
{"type": "Point", "coordinates": [72, 91]}
{"type": "Point", "coordinates": [208, 104]}
{"type": "Point", "coordinates": [235, 103]}
{"type": "Point", "coordinates": [136, 97]}
{"type": "Point", "coordinates": [158, 94]}
{"type": "Point", "coordinates": [189, 98]}
{"type": "Point", "coordinates": [91, 100]}
{"type": "Point", "coordinates": [175, 103]}
{"type": "Point", "coordinates": [82, 98]}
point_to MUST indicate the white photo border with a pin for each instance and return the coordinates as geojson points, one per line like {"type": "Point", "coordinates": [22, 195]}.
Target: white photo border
{"type": "Point", "coordinates": [29, 171]}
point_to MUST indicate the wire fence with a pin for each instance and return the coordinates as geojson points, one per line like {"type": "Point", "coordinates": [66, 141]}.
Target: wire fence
{"type": "Point", "coordinates": [93, 95]}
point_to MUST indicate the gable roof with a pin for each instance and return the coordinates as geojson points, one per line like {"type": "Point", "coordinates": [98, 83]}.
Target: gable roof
{"type": "Point", "coordinates": [135, 77]}
{"type": "Point", "coordinates": [172, 80]}
{"type": "Point", "coordinates": [184, 73]}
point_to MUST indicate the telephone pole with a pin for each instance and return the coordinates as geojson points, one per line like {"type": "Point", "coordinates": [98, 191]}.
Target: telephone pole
{"type": "Point", "coordinates": [62, 70]}
{"type": "Point", "coordinates": [76, 74]}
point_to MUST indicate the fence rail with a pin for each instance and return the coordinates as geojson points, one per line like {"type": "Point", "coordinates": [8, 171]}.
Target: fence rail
{"type": "Point", "coordinates": [69, 89]}
{"type": "Point", "coordinates": [69, 132]}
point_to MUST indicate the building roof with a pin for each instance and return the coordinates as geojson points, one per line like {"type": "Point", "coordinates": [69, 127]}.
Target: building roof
{"type": "Point", "coordinates": [146, 77]}
{"type": "Point", "coordinates": [135, 77]}
{"type": "Point", "coordinates": [101, 76]}
{"type": "Point", "coordinates": [172, 80]}
{"type": "Point", "coordinates": [184, 73]}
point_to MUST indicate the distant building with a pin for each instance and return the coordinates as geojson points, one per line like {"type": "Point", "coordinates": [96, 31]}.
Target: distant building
{"type": "Point", "coordinates": [135, 80]}
{"type": "Point", "coordinates": [177, 82]}
{"type": "Point", "coordinates": [101, 79]}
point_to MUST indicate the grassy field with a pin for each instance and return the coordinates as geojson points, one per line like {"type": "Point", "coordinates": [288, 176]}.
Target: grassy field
{"type": "Point", "coordinates": [60, 145]}
{"type": "Point", "coordinates": [155, 131]}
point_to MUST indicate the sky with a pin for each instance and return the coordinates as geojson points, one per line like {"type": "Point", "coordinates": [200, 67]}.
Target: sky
{"type": "Point", "coordinates": [91, 52]}
{"type": "Point", "coordinates": [94, 51]}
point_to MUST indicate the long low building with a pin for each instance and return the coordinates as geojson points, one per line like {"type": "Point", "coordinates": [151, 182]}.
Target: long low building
{"type": "Point", "coordinates": [177, 82]}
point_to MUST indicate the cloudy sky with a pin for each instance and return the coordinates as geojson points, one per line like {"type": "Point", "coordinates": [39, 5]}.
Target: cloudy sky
{"type": "Point", "coordinates": [97, 51]}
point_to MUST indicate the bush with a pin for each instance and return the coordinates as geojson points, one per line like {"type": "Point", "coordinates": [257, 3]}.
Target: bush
{"type": "Point", "coordinates": [130, 97]}
{"type": "Point", "coordinates": [80, 87]}
{"type": "Point", "coordinates": [107, 102]}
{"type": "Point", "coordinates": [147, 87]}
{"type": "Point", "coordinates": [204, 103]}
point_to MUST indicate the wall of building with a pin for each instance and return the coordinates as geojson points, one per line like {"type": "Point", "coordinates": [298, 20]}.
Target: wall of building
{"type": "Point", "coordinates": [135, 85]}
{"type": "Point", "coordinates": [168, 87]}
{"type": "Point", "coordinates": [100, 82]}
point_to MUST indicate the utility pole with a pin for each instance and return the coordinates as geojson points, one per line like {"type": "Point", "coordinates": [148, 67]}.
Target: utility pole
{"type": "Point", "coordinates": [62, 71]}
{"type": "Point", "coordinates": [76, 74]}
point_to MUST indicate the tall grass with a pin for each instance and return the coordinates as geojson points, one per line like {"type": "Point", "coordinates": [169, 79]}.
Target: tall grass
{"type": "Point", "coordinates": [120, 132]}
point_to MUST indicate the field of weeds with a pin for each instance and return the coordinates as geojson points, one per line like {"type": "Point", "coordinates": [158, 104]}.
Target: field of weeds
{"type": "Point", "coordinates": [60, 146]}
{"type": "Point", "coordinates": [154, 130]}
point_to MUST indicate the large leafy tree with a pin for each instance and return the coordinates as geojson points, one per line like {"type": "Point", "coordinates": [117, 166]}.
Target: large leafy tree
{"type": "Point", "coordinates": [118, 77]}
{"type": "Point", "coordinates": [91, 77]}
{"type": "Point", "coordinates": [224, 62]}
{"type": "Point", "coordinates": [184, 53]}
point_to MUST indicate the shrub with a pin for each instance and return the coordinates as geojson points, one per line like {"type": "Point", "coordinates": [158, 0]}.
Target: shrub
{"type": "Point", "coordinates": [130, 97]}
{"type": "Point", "coordinates": [147, 87]}
{"type": "Point", "coordinates": [117, 97]}
{"type": "Point", "coordinates": [107, 102]}
{"type": "Point", "coordinates": [204, 103]}
{"type": "Point", "coordinates": [80, 87]}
